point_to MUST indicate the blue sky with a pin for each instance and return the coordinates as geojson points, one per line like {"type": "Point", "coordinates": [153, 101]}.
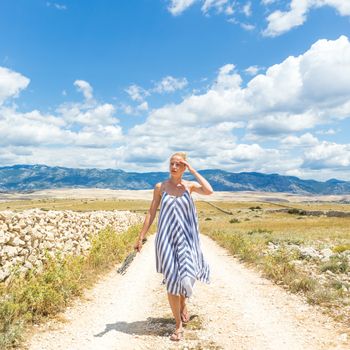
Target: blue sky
{"type": "Point", "coordinates": [239, 85]}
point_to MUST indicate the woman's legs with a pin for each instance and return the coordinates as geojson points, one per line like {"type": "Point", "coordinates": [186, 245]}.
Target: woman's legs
{"type": "Point", "coordinates": [174, 301]}
{"type": "Point", "coordinates": [183, 309]}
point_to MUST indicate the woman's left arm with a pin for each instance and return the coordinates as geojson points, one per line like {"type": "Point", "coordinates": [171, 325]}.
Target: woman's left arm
{"type": "Point", "coordinates": [204, 186]}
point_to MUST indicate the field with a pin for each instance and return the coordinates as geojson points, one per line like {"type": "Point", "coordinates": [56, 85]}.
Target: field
{"type": "Point", "coordinates": [296, 244]}
{"type": "Point", "coordinates": [239, 216]}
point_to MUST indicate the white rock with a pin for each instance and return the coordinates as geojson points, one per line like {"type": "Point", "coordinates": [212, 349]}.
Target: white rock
{"type": "Point", "coordinates": [10, 251]}
{"type": "Point", "coordinates": [309, 252]}
{"type": "Point", "coordinates": [343, 337]}
{"type": "Point", "coordinates": [326, 254]}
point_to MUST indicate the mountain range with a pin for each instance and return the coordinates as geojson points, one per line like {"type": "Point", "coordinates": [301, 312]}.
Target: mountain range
{"type": "Point", "coordinates": [24, 178]}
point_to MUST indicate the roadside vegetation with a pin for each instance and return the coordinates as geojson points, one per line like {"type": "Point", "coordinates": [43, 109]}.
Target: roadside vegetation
{"type": "Point", "coordinates": [309, 255]}
{"type": "Point", "coordinates": [30, 299]}
{"type": "Point", "coordinates": [306, 254]}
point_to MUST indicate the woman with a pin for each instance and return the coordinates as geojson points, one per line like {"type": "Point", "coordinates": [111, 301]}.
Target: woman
{"type": "Point", "coordinates": [178, 253]}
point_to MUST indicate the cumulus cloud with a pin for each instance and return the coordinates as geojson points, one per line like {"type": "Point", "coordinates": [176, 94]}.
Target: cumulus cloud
{"type": "Point", "coordinates": [266, 124]}
{"type": "Point", "coordinates": [305, 140]}
{"type": "Point", "coordinates": [247, 9]}
{"type": "Point", "coordinates": [176, 7]}
{"type": "Point", "coordinates": [11, 83]}
{"type": "Point", "coordinates": [84, 87]}
{"type": "Point", "coordinates": [297, 94]}
{"type": "Point", "coordinates": [56, 5]}
{"type": "Point", "coordinates": [253, 70]}
{"type": "Point", "coordinates": [280, 22]}
{"type": "Point", "coordinates": [137, 93]}
{"type": "Point", "coordinates": [170, 84]}
{"type": "Point", "coordinates": [327, 155]}
{"type": "Point", "coordinates": [83, 114]}
{"type": "Point", "coordinates": [280, 102]}
{"type": "Point", "coordinates": [268, 2]}
{"type": "Point", "coordinates": [32, 128]}
{"type": "Point", "coordinates": [247, 26]}
{"type": "Point", "coordinates": [166, 85]}
{"type": "Point", "coordinates": [63, 137]}
{"type": "Point", "coordinates": [219, 5]}
{"type": "Point", "coordinates": [278, 124]}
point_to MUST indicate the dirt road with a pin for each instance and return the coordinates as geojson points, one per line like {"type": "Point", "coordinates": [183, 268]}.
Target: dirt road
{"type": "Point", "coordinates": [238, 310]}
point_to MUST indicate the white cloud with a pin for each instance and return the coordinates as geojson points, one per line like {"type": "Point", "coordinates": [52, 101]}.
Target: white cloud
{"type": "Point", "coordinates": [280, 22]}
{"type": "Point", "coordinates": [11, 83]}
{"type": "Point", "coordinates": [268, 2]}
{"type": "Point", "coordinates": [56, 5]}
{"type": "Point", "coordinates": [33, 128]}
{"type": "Point", "coordinates": [295, 95]}
{"type": "Point", "coordinates": [327, 132]}
{"type": "Point", "coordinates": [305, 140]}
{"type": "Point", "coordinates": [219, 5]}
{"type": "Point", "coordinates": [81, 114]}
{"type": "Point", "coordinates": [84, 87]}
{"type": "Point", "coordinates": [281, 101]}
{"type": "Point", "coordinates": [176, 7]}
{"type": "Point", "coordinates": [143, 106]}
{"type": "Point", "coordinates": [247, 9]}
{"type": "Point", "coordinates": [327, 155]}
{"type": "Point", "coordinates": [137, 93]}
{"type": "Point", "coordinates": [247, 26]}
{"type": "Point", "coordinates": [169, 84]}
{"type": "Point", "coordinates": [274, 125]}
{"type": "Point", "coordinates": [253, 70]}
{"type": "Point", "coordinates": [279, 110]}
{"type": "Point", "coordinates": [229, 10]}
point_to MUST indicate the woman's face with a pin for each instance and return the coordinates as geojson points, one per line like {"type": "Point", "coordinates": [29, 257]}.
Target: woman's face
{"type": "Point", "coordinates": [175, 166]}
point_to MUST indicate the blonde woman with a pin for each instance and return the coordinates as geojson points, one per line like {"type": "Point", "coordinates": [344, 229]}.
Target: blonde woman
{"type": "Point", "coordinates": [178, 253]}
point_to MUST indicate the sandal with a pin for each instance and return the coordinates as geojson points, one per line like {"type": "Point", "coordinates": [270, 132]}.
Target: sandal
{"type": "Point", "coordinates": [177, 336]}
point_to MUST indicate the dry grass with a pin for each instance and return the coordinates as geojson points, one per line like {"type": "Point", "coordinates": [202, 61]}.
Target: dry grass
{"type": "Point", "coordinates": [30, 299]}
{"type": "Point", "coordinates": [77, 204]}
{"type": "Point", "coordinates": [282, 225]}
{"type": "Point", "coordinates": [251, 226]}
{"type": "Point", "coordinates": [245, 228]}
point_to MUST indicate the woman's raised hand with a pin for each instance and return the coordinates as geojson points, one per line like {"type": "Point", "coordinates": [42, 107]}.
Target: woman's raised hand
{"type": "Point", "coordinates": [190, 169]}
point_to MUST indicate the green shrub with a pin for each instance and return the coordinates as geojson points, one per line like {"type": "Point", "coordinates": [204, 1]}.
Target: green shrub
{"type": "Point", "coordinates": [296, 211]}
{"type": "Point", "coordinates": [336, 265]}
{"type": "Point", "coordinates": [341, 248]}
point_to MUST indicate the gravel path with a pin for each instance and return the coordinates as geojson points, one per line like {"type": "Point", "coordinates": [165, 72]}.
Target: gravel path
{"type": "Point", "coordinates": [238, 310]}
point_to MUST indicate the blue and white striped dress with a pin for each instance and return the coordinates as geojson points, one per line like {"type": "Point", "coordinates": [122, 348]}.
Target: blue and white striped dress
{"type": "Point", "coordinates": [178, 253]}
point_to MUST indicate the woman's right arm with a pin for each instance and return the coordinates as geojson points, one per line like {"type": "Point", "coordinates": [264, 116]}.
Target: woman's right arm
{"type": "Point", "coordinates": [150, 215]}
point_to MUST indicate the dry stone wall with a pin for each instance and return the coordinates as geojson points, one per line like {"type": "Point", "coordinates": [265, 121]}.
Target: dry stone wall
{"type": "Point", "coordinates": [26, 236]}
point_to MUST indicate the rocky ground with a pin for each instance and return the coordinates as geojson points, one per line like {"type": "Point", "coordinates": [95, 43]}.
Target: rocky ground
{"type": "Point", "coordinates": [147, 195]}
{"type": "Point", "coordinates": [238, 310]}
{"type": "Point", "coordinates": [25, 236]}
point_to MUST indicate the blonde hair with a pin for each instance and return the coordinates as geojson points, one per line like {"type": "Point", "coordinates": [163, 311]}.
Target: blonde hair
{"type": "Point", "coordinates": [180, 154]}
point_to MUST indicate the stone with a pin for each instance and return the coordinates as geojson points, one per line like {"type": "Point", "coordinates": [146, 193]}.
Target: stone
{"type": "Point", "coordinates": [18, 242]}
{"type": "Point", "coordinates": [326, 254]}
{"type": "Point", "coordinates": [309, 252]}
{"type": "Point", "coordinates": [10, 251]}
{"type": "Point", "coordinates": [25, 236]}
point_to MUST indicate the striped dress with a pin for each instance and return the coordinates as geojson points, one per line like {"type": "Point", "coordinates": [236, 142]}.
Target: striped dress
{"type": "Point", "coordinates": [178, 253]}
